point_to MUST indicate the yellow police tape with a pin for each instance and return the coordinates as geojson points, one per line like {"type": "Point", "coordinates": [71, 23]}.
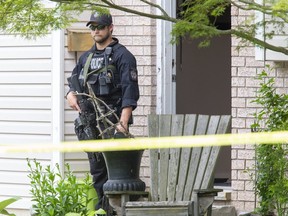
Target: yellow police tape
{"type": "Point", "coordinates": [152, 143]}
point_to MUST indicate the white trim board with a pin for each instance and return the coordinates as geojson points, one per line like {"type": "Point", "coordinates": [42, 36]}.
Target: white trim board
{"type": "Point", "coordinates": [166, 52]}
{"type": "Point", "coordinates": [58, 95]}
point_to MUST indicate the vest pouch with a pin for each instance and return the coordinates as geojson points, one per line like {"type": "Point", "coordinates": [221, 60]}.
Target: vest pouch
{"type": "Point", "coordinates": [93, 81]}
{"type": "Point", "coordinates": [105, 83]}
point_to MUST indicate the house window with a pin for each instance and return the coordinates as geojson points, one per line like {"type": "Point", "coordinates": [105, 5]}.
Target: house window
{"type": "Point", "coordinates": [280, 38]}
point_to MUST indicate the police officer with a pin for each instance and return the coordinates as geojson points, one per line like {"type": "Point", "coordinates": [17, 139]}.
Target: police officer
{"type": "Point", "coordinates": [112, 74]}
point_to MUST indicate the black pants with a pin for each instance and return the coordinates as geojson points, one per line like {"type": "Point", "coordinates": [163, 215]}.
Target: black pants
{"type": "Point", "coordinates": [98, 171]}
{"type": "Point", "coordinates": [97, 164]}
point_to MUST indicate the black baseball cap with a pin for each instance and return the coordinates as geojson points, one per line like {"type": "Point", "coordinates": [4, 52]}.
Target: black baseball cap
{"type": "Point", "coordinates": [100, 19]}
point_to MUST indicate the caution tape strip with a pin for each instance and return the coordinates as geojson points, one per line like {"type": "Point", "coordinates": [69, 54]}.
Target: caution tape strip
{"type": "Point", "coordinates": [151, 143]}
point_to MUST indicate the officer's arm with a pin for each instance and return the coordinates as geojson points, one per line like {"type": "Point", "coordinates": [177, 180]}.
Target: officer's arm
{"type": "Point", "coordinates": [70, 96]}
{"type": "Point", "coordinates": [72, 101]}
{"type": "Point", "coordinates": [125, 116]}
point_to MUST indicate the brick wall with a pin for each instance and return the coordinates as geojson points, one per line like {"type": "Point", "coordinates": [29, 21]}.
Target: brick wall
{"type": "Point", "coordinates": [138, 34]}
{"type": "Point", "coordinates": [244, 86]}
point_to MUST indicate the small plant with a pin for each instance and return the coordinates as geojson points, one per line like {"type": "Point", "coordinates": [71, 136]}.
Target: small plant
{"type": "Point", "coordinates": [271, 183]}
{"type": "Point", "coordinates": [5, 203]}
{"type": "Point", "coordinates": [57, 195]}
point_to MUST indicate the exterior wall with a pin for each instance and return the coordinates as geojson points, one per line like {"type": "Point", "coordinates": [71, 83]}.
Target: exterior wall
{"type": "Point", "coordinates": [26, 98]}
{"type": "Point", "coordinates": [25, 101]}
{"type": "Point", "coordinates": [138, 34]}
{"type": "Point", "coordinates": [25, 109]}
{"type": "Point", "coordinates": [244, 86]}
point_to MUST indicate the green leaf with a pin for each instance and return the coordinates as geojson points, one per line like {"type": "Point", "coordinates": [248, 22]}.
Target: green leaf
{"type": "Point", "coordinates": [72, 214]}
{"type": "Point", "coordinates": [5, 203]}
{"type": "Point", "coordinates": [101, 211]}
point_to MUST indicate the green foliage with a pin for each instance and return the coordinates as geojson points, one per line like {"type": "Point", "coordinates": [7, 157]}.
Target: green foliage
{"type": "Point", "coordinates": [5, 203]}
{"type": "Point", "coordinates": [196, 19]}
{"type": "Point", "coordinates": [55, 194]}
{"type": "Point", "coordinates": [281, 5]}
{"type": "Point", "coordinates": [92, 213]}
{"type": "Point", "coordinates": [100, 212]}
{"type": "Point", "coordinates": [31, 18]}
{"type": "Point", "coordinates": [274, 113]}
{"type": "Point", "coordinates": [271, 183]}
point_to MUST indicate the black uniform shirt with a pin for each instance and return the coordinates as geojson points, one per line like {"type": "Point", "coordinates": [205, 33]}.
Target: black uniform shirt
{"type": "Point", "coordinates": [126, 66]}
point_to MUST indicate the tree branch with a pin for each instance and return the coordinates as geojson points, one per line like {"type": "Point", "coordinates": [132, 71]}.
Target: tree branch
{"type": "Point", "coordinates": [256, 41]}
{"type": "Point", "coordinates": [156, 6]}
{"type": "Point", "coordinates": [257, 7]}
{"type": "Point", "coordinates": [165, 17]}
{"type": "Point", "coordinates": [110, 4]}
{"type": "Point", "coordinates": [203, 30]}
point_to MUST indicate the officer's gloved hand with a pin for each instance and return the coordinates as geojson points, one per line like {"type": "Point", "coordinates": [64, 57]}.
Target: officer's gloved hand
{"type": "Point", "coordinates": [119, 135]}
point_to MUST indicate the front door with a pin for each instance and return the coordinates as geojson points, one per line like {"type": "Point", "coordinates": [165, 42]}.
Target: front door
{"type": "Point", "coordinates": [203, 83]}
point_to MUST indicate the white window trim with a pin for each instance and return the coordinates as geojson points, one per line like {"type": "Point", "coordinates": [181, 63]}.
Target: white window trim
{"type": "Point", "coordinates": [259, 51]}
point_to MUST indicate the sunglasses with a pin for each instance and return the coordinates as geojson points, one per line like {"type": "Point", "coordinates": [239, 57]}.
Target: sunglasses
{"type": "Point", "coordinates": [98, 27]}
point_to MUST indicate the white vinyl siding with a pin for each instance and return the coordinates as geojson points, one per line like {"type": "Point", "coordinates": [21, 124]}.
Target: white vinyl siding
{"type": "Point", "coordinates": [78, 160]}
{"type": "Point", "coordinates": [25, 87]}
{"type": "Point", "coordinates": [25, 111]}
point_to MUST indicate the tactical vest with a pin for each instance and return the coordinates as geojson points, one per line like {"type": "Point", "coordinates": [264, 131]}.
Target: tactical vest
{"type": "Point", "coordinates": [100, 72]}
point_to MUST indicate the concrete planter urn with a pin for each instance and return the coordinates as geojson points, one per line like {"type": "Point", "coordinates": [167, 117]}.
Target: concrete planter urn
{"type": "Point", "coordinates": [123, 171]}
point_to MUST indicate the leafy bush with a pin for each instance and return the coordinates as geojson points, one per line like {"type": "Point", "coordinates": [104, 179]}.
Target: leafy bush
{"type": "Point", "coordinates": [57, 195]}
{"type": "Point", "coordinates": [271, 183]}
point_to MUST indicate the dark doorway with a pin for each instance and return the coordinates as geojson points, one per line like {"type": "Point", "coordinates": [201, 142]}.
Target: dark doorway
{"type": "Point", "coordinates": [203, 83]}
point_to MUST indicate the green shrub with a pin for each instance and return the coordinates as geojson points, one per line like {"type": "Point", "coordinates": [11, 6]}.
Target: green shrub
{"type": "Point", "coordinates": [271, 183]}
{"type": "Point", "coordinates": [57, 195]}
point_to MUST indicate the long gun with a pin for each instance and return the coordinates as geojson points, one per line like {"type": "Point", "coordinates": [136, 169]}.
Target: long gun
{"type": "Point", "coordinates": [85, 124]}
